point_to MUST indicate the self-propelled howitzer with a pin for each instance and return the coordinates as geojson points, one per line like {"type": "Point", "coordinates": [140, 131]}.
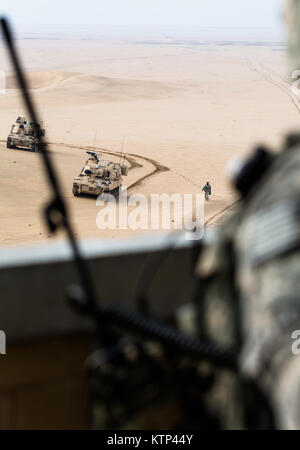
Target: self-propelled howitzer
{"type": "Point", "coordinates": [99, 176]}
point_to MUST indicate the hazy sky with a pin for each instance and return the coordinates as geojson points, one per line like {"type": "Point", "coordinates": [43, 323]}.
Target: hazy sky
{"type": "Point", "coordinates": [210, 13]}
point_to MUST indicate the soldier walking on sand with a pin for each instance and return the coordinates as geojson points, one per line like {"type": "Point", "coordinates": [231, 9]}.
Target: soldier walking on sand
{"type": "Point", "coordinates": [207, 189]}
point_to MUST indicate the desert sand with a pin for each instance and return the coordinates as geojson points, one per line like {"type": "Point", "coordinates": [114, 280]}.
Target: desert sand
{"type": "Point", "coordinates": [184, 106]}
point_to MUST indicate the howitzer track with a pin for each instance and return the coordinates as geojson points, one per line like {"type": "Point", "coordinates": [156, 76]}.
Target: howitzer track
{"type": "Point", "coordinates": [132, 158]}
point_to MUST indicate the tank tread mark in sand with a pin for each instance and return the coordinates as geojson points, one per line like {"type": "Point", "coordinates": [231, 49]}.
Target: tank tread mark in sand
{"type": "Point", "coordinates": [25, 134]}
{"type": "Point", "coordinates": [99, 176]}
{"type": "Point", "coordinates": [130, 157]}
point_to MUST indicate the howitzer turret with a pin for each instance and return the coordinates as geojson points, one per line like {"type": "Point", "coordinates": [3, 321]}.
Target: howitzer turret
{"type": "Point", "coordinates": [25, 134]}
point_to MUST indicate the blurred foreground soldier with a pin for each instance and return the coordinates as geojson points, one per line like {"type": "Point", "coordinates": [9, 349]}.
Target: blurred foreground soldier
{"type": "Point", "coordinates": [249, 281]}
{"type": "Point", "coordinates": [207, 189]}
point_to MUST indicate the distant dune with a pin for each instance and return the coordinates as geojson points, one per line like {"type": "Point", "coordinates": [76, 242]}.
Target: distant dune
{"type": "Point", "coordinates": [95, 87]}
{"type": "Point", "coordinates": [38, 80]}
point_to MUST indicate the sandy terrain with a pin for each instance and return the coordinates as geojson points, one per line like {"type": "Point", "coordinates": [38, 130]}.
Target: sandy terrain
{"type": "Point", "coordinates": [184, 107]}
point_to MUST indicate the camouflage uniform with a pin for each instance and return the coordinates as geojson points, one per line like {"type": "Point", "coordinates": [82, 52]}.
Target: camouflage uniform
{"type": "Point", "coordinates": [207, 189]}
{"type": "Point", "coordinates": [268, 269]}
{"type": "Point", "coordinates": [249, 290]}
